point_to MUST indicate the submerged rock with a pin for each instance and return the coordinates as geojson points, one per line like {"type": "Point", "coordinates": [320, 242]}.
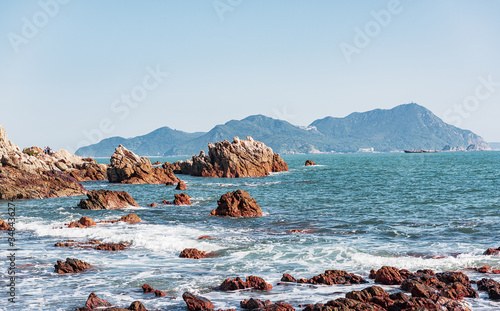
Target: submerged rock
{"type": "Point", "coordinates": [107, 199]}
{"type": "Point", "coordinates": [240, 158]}
{"type": "Point", "coordinates": [128, 168]}
{"type": "Point", "coordinates": [237, 204]}
{"type": "Point", "coordinates": [182, 199]}
{"type": "Point", "coordinates": [71, 266]}
{"type": "Point", "coordinates": [310, 163]}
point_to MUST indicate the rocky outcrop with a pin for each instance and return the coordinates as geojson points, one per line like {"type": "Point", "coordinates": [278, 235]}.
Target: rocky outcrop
{"type": "Point", "coordinates": [181, 186]}
{"type": "Point", "coordinates": [89, 170]}
{"type": "Point", "coordinates": [107, 199]}
{"type": "Point", "coordinates": [128, 168]}
{"type": "Point", "coordinates": [182, 199]}
{"type": "Point", "coordinates": [237, 204]}
{"type": "Point", "coordinates": [251, 282]}
{"type": "Point", "coordinates": [193, 253]}
{"type": "Point", "coordinates": [330, 277]}
{"type": "Point", "coordinates": [32, 175]}
{"type": "Point", "coordinates": [71, 266]}
{"type": "Point", "coordinates": [148, 289]}
{"type": "Point", "coordinates": [310, 163]}
{"type": "Point", "coordinates": [197, 303]}
{"type": "Point", "coordinates": [4, 225]}
{"type": "Point", "coordinates": [240, 158]}
{"type": "Point", "coordinates": [21, 184]}
{"type": "Point", "coordinates": [94, 302]}
{"type": "Point", "coordinates": [490, 286]}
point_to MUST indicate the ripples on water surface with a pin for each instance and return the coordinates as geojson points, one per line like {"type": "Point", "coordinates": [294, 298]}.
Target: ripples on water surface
{"type": "Point", "coordinates": [413, 211]}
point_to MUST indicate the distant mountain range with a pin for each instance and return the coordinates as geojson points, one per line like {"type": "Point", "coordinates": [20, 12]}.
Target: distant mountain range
{"type": "Point", "coordinates": [408, 126]}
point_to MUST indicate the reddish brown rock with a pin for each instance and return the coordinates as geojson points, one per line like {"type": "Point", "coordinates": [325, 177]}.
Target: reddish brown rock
{"type": "Point", "coordinates": [197, 303]}
{"type": "Point", "coordinates": [72, 243]}
{"type": "Point", "coordinates": [137, 306]}
{"type": "Point", "coordinates": [237, 204]}
{"type": "Point", "coordinates": [153, 205]}
{"type": "Point", "coordinates": [89, 170]}
{"type": "Point", "coordinates": [112, 246]}
{"type": "Point", "coordinates": [492, 251]}
{"type": "Point", "coordinates": [4, 225]}
{"type": "Point", "coordinates": [84, 222]}
{"type": "Point", "coordinates": [166, 202]}
{"type": "Point", "coordinates": [182, 199]}
{"type": "Point", "coordinates": [251, 282]}
{"type": "Point", "coordinates": [490, 286]}
{"type": "Point", "coordinates": [309, 163]}
{"type": "Point", "coordinates": [367, 294]}
{"type": "Point", "coordinates": [94, 302]}
{"type": "Point", "coordinates": [147, 289]}
{"type": "Point", "coordinates": [30, 184]}
{"type": "Point", "coordinates": [181, 186]}
{"type": "Point", "coordinates": [131, 219]}
{"type": "Point", "coordinates": [128, 168]}
{"type": "Point", "coordinates": [71, 266]}
{"type": "Point", "coordinates": [107, 199]}
{"type": "Point", "coordinates": [389, 276]}
{"type": "Point", "coordinates": [241, 158]}
{"type": "Point", "coordinates": [193, 253]}
{"type": "Point", "coordinates": [159, 293]}
{"type": "Point", "coordinates": [254, 303]}
{"type": "Point", "coordinates": [331, 277]}
{"type": "Point", "coordinates": [288, 278]}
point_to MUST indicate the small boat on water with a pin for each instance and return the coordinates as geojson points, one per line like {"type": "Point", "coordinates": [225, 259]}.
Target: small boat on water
{"type": "Point", "coordinates": [419, 151]}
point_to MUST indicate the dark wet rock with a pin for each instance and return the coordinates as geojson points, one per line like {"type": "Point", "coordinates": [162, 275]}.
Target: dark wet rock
{"type": "Point", "coordinates": [251, 282]}
{"type": "Point", "coordinates": [254, 303]}
{"type": "Point", "coordinates": [153, 205]}
{"type": "Point", "coordinates": [137, 306]}
{"type": "Point", "coordinates": [126, 167]}
{"type": "Point", "coordinates": [112, 246]}
{"type": "Point", "coordinates": [159, 293]}
{"type": "Point", "coordinates": [107, 199]}
{"type": "Point", "coordinates": [193, 253]}
{"type": "Point", "coordinates": [309, 163]}
{"type": "Point", "coordinates": [367, 294]}
{"type": "Point", "coordinates": [71, 266]}
{"type": "Point", "coordinates": [329, 277]}
{"type": "Point", "coordinates": [240, 158]}
{"type": "Point", "coordinates": [492, 251]}
{"type": "Point", "coordinates": [197, 303]}
{"type": "Point", "coordinates": [181, 186]}
{"type": "Point", "coordinates": [4, 225]}
{"type": "Point", "coordinates": [182, 199]}
{"type": "Point", "coordinates": [237, 204]}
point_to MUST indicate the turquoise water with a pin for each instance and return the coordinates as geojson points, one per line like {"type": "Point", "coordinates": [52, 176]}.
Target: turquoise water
{"type": "Point", "coordinates": [362, 211]}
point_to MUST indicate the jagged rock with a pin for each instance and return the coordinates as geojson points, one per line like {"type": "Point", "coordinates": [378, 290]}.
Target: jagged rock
{"type": "Point", "coordinates": [128, 168]}
{"type": "Point", "coordinates": [182, 199]}
{"type": "Point", "coordinates": [193, 253]}
{"type": "Point", "coordinates": [490, 286]}
{"type": "Point", "coordinates": [181, 186]}
{"type": "Point", "coordinates": [241, 158]}
{"type": "Point", "coordinates": [71, 266]}
{"type": "Point", "coordinates": [4, 225]}
{"type": "Point", "coordinates": [251, 282]}
{"type": "Point", "coordinates": [389, 276]}
{"type": "Point", "coordinates": [84, 222]}
{"type": "Point", "coordinates": [94, 302]}
{"type": "Point", "coordinates": [112, 246]}
{"type": "Point", "coordinates": [237, 204]}
{"type": "Point", "coordinates": [330, 277]}
{"type": "Point", "coordinates": [288, 278]}
{"type": "Point", "coordinates": [197, 303]}
{"type": "Point", "coordinates": [254, 303]}
{"type": "Point", "coordinates": [309, 163]}
{"type": "Point", "coordinates": [88, 170]}
{"type": "Point", "coordinates": [107, 199]}
{"type": "Point", "coordinates": [492, 251]}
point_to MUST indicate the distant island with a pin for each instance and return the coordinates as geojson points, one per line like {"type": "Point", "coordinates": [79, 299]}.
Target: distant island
{"type": "Point", "coordinates": [408, 126]}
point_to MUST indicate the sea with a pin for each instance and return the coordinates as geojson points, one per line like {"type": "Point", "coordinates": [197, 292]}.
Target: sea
{"type": "Point", "coordinates": [353, 212]}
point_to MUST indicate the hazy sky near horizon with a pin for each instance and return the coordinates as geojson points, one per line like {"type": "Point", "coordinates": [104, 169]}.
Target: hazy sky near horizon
{"type": "Point", "coordinates": [72, 72]}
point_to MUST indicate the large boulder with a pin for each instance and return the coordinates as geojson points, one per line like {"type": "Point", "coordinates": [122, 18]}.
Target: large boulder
{"type": "Point", "coordinates": [107, 199]}
{"type": "Point", "coordinates": [237, 204]}
{"type": "Point", "coordinates": [182, 199]}
{"type": "Point", "coordinates": [197, 303]}
{"type": "Point", "coordinates": [240, 158]}
{"type": "Point", "coordinates": [128, 168]}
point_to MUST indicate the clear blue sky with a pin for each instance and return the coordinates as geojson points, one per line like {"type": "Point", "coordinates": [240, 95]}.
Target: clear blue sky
{"type": "Point", "coordinates": [64, 67]}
